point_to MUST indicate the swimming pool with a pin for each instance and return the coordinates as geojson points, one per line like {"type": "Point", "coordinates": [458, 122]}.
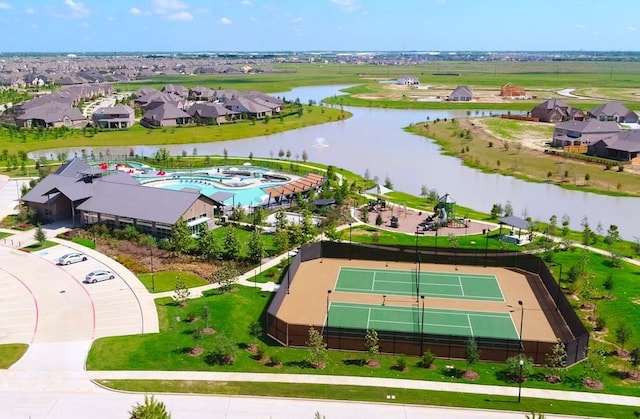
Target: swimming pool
{"type": "Point", "coordinates": [245, 195]}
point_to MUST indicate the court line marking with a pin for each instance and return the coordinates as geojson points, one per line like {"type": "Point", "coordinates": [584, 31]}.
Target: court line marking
{"type": "Point", "coordinates": [461, 287]}
{"type": "Point", "coordinates": [369, 318]}
{"type": "Point", "coordinates": [421, 283]}
{"type": "Point", "coordinates": [427, 311]}
{"type": "Point", "coordinates": [470, 327]}
{"type": "Point", "coordinates": [404, 272]}
{"type": "Point", "coordinates": [500, 289]}
{"type": "Point", "coordinates": [432, 295]}
{"type": "Point", "coordinates": [373, 282]}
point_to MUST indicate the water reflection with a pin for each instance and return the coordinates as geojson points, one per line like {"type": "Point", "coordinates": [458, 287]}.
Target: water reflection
{"type": "Point", "coordinates": [373, 140]}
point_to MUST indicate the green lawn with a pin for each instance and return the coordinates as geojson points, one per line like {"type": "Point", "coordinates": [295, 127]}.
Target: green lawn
{"type": "Point", "coordinates": [39, 246]}
{"type": "Point", "coordinates": [4, 235]}
{"type": "Point", "coordinates": [375, 395]}
{"type": "Point", "coordinates": [11, 353]}
{"type": "Point", "coordinates": [166, 280]}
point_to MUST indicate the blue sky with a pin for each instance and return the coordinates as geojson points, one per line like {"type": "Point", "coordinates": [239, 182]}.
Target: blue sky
{"type": "Point", "coordinates": [299, 25]}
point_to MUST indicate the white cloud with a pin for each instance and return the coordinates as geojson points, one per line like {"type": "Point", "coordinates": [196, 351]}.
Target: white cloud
{"type": "Point", "coordinates": [224, 21]}
{"type": "Point", "coordinates": [29, 10]}
{"type": "Point", "coordinates": [163, 7]}
{"type": "Point", "coordinates": [631, 28]}
{"type": "Point", "coordinates": [77, 9]}
{"type": "Point", "coordinates": [4, 6]}
{"type": "Point", "coordinates": [247, 2]}
{"type": "Point", "coordinates": [111, 19]}
{"type": "Point", "coordinates": [347, 5]}
{"type": "Point", "coordinates": [296, 20]}
{"type": "Point", "coordinates": [182, 15]}
{"type": "Point", "coordinates": [135, 11]}
{"type": "Point", "coordinates": [581, 26]}
{"type": "Point", "coordinates": [202, 10]}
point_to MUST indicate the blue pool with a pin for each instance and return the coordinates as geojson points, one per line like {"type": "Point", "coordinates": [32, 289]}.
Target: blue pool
{"type": "Point", "coordinates": [245, 195]}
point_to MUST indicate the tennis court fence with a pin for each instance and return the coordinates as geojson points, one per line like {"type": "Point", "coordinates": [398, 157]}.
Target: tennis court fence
{"type": "Point", "coordinates": [553, 302]}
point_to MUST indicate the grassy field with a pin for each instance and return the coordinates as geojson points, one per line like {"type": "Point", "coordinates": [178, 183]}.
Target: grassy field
{"type": "Point", "coordinates": [166, 280]}
{"type": "Point", "coordinates": [486, 151]}
{"type": "Point", "coordinates": [11, 353]}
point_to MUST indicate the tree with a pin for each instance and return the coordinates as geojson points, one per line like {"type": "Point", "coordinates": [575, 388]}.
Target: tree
{"type": "Point", "coordinates": [508, 209]}
{"type": "Point", "coordinates": [231, 245]}
{"type": "Point", "coordinates": [471, 353]}
{"type": "Point", "coordinates": [227, 276]}
{"type": "Point", "coordinates": [612, 237]}
{"type": "Point", "coordinates": [587, 233]}
{"type": "Point", "coordinates": [371, 344]}
{"type": "Point", "coordinates": [608, 283]}
{"type": "Point", "coordinates": [622, 334]}
{"type": "Point", "coordinates": [305, 156]}
{"type": "Point", "coordinates": [225, 153]}
{"type": "Point", "coordinates": [556, 360]}
{"type": "Point", "coordinates": [513, 368]}
{"type": "Point", "coordinates": [255, 331]}
{"type": "Point", "coordinates": [181, 293]}
{"type": "Point", "coordinates": [379, 220]}
{"type": "Point", "coordinates": [208, 245]}
{"type": "Point", "coordinates": [364, 214]}
{"type": "Point", "coordinates": [40, 236]}
{"type": "Point", "coordinates": [387, 182]}
{"type": "Point", "coordinates": [553, 224]}
{"type": "Point", "coordinates": [222, 350]}
{"type": "Point", "coordinates": [565, 224]}
{"type": "Point", "coordinates": [151, 409]}
{"type": "Point", "coordinates": [424, 191]}
{"type": "Point", "coordinates": [496, 210]}
{"type": "Point", "coordinates": [635, 358]}
{"type": "Point", "coordinates": [317, 349]}
{"type": "Point", "coordinates": [181, 236]}
{"type": "Point", "coordinates": [256, 247]}
{"type": "Point", "coordinates": [367, 174]}
{"type": "Point", "coordinates": [281, 240]}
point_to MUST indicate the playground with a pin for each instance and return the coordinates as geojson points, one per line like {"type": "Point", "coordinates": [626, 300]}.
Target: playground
{"type": "Point", "coordinates": [407, 220]}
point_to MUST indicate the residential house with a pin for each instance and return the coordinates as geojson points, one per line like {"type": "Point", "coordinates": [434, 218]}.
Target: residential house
{"type": "Point", "coordinates": [583, 133]}
{"type": "Point", "coordinates": [511, 91]}
{"type": "Point", "coordinates": [178, 90]}
{"type": "Point", "coordinates": [624, 146]}
{"type": "Point", "coordinates": [224, 95]}
{"type": "Point", "coordinates": [461, 94]}
{"type": "Point", "coordinates": [118, 117]}
{"type": "Point", "coordinates": [87, 196]}
{"type": "Point", "coordinates": [248, 107]}
{"type": "Point", "coordinates": [165, 115]}
{"type": "Point", "coordinates": [614, 111]}
{"type": "Point", "coordinates": [156, 97]}
{"type": "Point", "coordinates": [556, 110]}
{"type": "Point", "coordinates": [211, 113]}
{"type": "Point", "coordinates": [408, 81]}
{"type": "Point", "coordinates": [51, 115]}
{"type": "Point", "coordinates": [201, 94]}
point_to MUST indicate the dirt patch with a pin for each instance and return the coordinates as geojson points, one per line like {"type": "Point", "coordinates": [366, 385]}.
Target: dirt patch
{"type": "Point", "coordinates": [196, 351]}
{"type": "Point", "coordinates": [592, 383]}
{"type": "Point", "coordinates": [470, 375]}
{"type": "Point", "coordinates": [372, 363]}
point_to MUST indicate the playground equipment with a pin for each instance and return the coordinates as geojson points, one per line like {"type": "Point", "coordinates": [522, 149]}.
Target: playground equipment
{"type": "Point", "coordinates": [444, 214]}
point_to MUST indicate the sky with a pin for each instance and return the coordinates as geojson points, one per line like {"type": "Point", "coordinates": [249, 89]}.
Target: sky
{"type": "Point", "coordinates": [74, 26]}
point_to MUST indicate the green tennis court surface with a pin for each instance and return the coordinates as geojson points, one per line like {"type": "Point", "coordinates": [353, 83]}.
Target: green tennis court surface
{"type": "Point", "coordinates": [432, 284]}
{"type": "Point", "coordinates": [436, 321]}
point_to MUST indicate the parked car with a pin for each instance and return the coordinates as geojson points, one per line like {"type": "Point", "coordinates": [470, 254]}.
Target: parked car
{"type": "Point", "coordinates": [97, 276]}
{"type": "Point", "coordinates": [72, 258]}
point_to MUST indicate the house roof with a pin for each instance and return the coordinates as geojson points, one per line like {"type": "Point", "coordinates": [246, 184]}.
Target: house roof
{"type": "Point", "coordinates": [589, 126]}
{"type": "Point", "coordinates": [72, 167]}
{"type": "Point", "coordinates": [627, 140]}
{"type": "Point", "coordinates": [609, 109]}
{"type": "Point", "coordinates": [52, 112]}
{"type": "Point", "coordinates": [209, 110]}
{"type": "Point", "coordinates": [462, 91]}
{"type": "Point", "coordinates": [514, 221]}
{"type": "Point", "coordinates": [48, 184]}
{"type": "Point", "coordinates": [248, 104]}
{"type": "Point", "coordinates": [165, 111]}
{"type": "Point", "coordinates": [115, 110]}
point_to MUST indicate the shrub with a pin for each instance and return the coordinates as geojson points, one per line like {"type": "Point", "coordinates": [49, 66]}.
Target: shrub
{"type": "Point", "coordinates": [401, 363]}
{"type": "Point", "coordinates": [428, 358]}
{"type": "Point", "coordinates": [512, 368]}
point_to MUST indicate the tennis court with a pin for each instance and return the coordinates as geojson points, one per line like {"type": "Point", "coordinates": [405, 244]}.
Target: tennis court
{"type": "Point", "coordinates": [431, 284]}
{"type": "Point", "coordinates": [408, 319]}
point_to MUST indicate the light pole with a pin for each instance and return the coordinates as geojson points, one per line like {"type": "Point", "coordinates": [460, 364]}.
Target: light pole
{"type": "Point", "coordinates": [417, 268]}
{"type": "Point", "coordinates": [435, 245]}
{"type": "Point", "coordinates": [521, 363]}
{"type": "Point", "coordinates": [559, 289]}
{"type": "Point", "coordinates": [486, 249]}
{"type": "Point", "coordinates": [422, 326]}
{"type": "Point", "coordinates": [327, 330]}
{"type": "Point", "coordinates": [153, 283]}
{"type": "Point", "coordinates": [349, 241]}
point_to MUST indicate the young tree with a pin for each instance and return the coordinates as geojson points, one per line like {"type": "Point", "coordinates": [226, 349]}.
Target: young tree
{"type": "Point", "coordinates": [387, 182]}
{"type": "Point", "coordinates": [305, 156]}
{"type": "Point", "coordinates": [371, 345]}
{"type": "Point", "coordinates": [151, 409]}
{"type": "Point", "coordinates": [255, 332]}
{"type": "Point", "coordinates": [231, 245]}
{"type": "Point", "coordinates": [623, 334]}
{"type": "Point", "coordinates": [565, 224]}
{"type": "Point", "coordinates": [40, 236]}
{"type": "Point", "coordinates": [556, 361]}
{"type": "Point", "coordinates": [317, 349]}
{"type": "Point", "coordinates": [379, 220]}
{"type": "Point", "coordinates": [553, 224]}
{"type": "Point", "coordinates": [517, 372]}
{"type": "Point", "coordinates": [424, 191]}
{"type": "Point", "coordinates": [222, 351]}
{"type": "Point", "coordinates": [181, 293]}
{"type": "Point", "coordinates": [471, 353]}
{"type": "Point", "coordinates": [635, 358]}
{"type": "Point", "coordinates": [587, 233]}
{"type": "Point", "coordinates": [256, 247]}
{"type": "Point", "coordinates": [496, 211]}
{"type": "Point", "coordinates": [227, 277]}
{"type": "Point", "coordinates": [508, 209]}
{"type": "Point", "coordinates": [367, 174]}
{"type": "Point", "coordinates": [364, 214]}
{"type": "Point", "coordinates": [181, 236]}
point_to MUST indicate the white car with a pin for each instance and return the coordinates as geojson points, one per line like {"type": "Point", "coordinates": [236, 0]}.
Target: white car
{"type": "Point", "coordinates": [97, 276]}
{"type": "Point", "coordinates": [72, 258]}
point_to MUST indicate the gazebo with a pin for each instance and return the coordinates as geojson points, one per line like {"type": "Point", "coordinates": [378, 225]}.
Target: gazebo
{"type": "Point", "coordinates": [515, 222]}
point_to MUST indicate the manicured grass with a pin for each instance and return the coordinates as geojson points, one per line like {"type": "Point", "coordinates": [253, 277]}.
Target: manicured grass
{"type": "Point", "coordinates": [39, 246]}
{"type": "Point", "coordinates": [11, 353]}
{"type": "Point", "coordinates": [166, 280]}
{"type": "Point", "coordinates": [5, 235]}
{"type": "Point", "coordinates": [376, 395]}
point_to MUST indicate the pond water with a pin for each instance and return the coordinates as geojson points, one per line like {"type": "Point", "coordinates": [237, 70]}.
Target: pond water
{"type": "Point", "coordinates": [373, 140]}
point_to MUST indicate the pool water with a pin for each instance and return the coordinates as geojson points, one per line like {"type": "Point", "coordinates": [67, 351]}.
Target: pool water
{"type": "Point", "coordinates": [246, 196]}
